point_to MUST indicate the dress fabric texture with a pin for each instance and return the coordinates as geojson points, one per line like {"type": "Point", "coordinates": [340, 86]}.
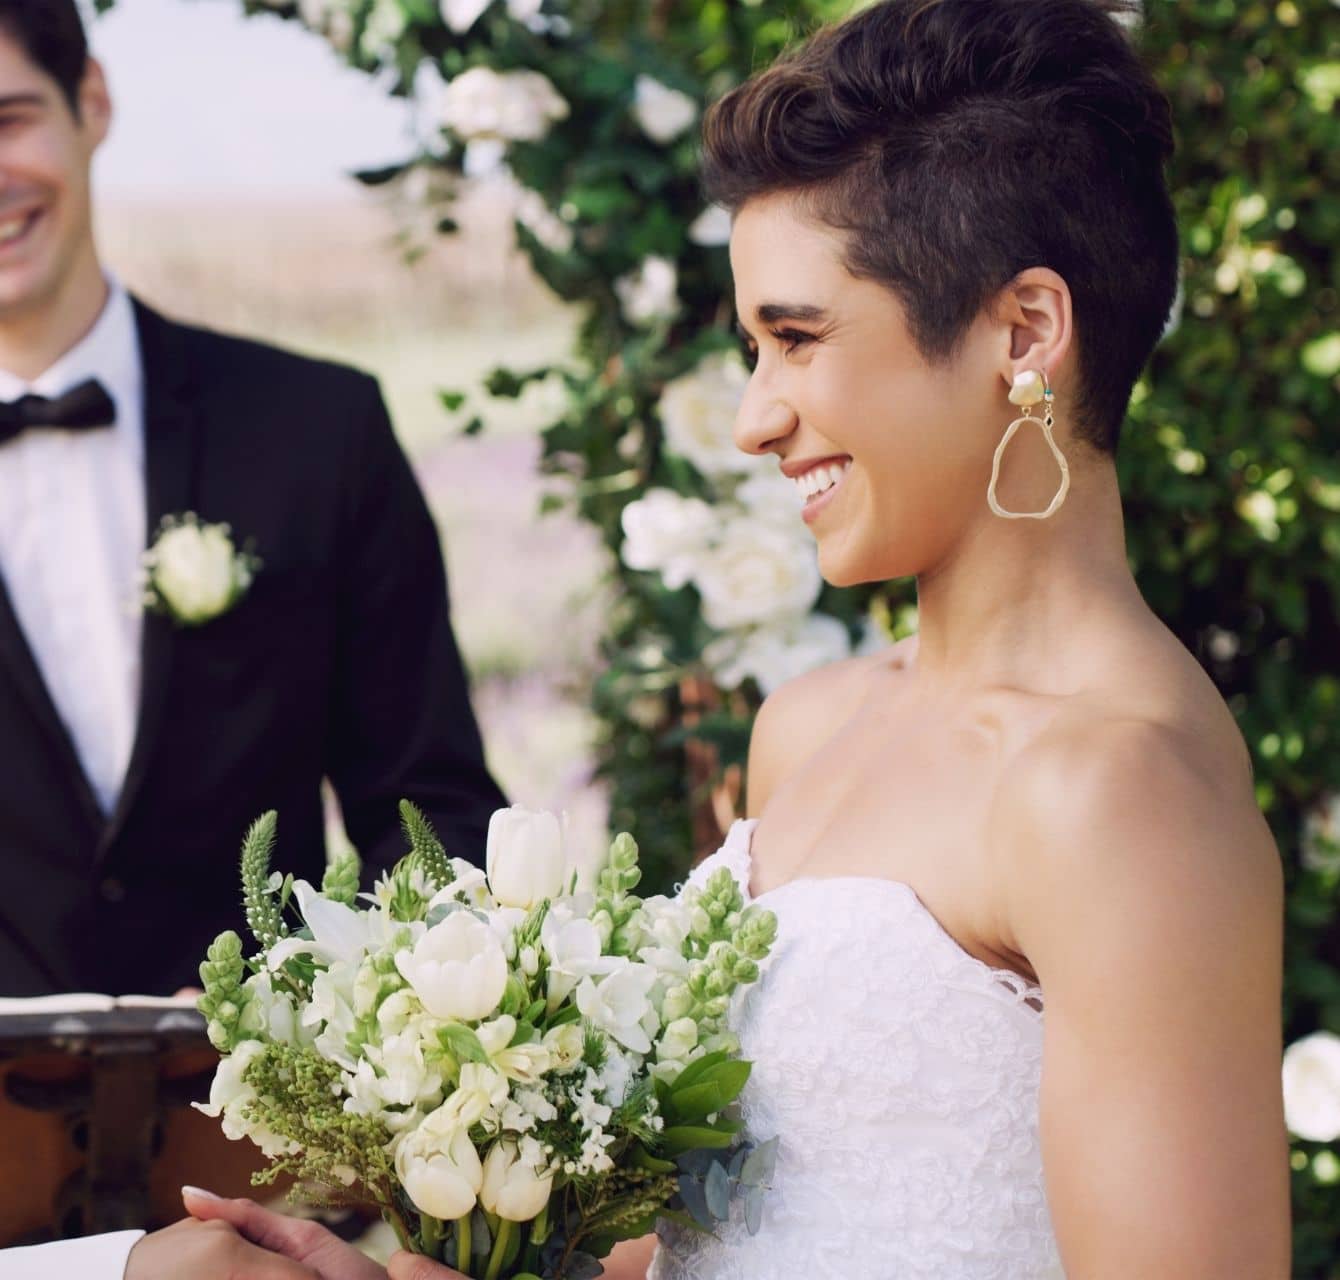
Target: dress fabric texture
{"type": "Point", "coordinates": [901, 1076]}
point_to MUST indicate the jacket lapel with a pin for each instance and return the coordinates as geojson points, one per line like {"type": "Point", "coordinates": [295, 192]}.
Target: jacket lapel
{"type": "Point", "coordinates": [16, 657]}
{"type": "Point", "coordinates": [170, 455]}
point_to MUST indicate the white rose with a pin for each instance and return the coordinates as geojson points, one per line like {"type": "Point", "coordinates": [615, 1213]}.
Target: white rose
{"type": "Point", "coordinates": [775, 654]}
{"type": "Point", "coordinates": [229, 1096]}
{"type": "Point", "coordinates": [698, 412]}
{"type": "Point", "coordinates": [666, 532]}
{"type": "Point", "coordinates": [1312, 1087]}
{"type": "Point", "coordinates": [518, 106]}
{"type": "Point", "coordinates": [661, 112]}
{"type": "Point", "coordinates": [196, 571]}
{"type": "Point", "coordinates": [619, 1004]}
{"type": "Point", "coordinates": [712, 227]}
{"type": "Point", "coordinates": [457, 968]}
{"type": "Point", "coordinates": [565, 1044]}
{"type": "Point", "coordinates": [439, 1168]}
{"type": "Point", "coordinates": [461, 15]}
{"type": "Point", "coordinates": [756, 573]}
{"type": "Point", "coordinates": [526, 856]}
{"type": "Point", "coordinates": [768, 495]}
{"type": "Point", "coordinates": [1322, 823]}
{"type": "Point", "coordinates": [648, 294]}
{"type": "Point", "coordinates": [513, 1188]}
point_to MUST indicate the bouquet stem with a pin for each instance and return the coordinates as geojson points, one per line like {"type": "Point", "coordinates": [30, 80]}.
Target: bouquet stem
{"type": "Point", "coordinates": [463, 1245]}
{"type": "Point", "coordinates": [501, 1241]}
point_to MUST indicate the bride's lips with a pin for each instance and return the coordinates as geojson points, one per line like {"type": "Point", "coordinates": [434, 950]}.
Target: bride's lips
{"type": "Point", "coordinates": [818, 478]}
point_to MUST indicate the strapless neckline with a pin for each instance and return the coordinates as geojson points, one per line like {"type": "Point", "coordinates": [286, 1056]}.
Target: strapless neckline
{"type": "Point", "coordinates": [1030, 991]}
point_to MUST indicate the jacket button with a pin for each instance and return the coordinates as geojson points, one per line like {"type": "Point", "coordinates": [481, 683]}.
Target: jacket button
{"type": "Point", "coordinates": [112, 890]}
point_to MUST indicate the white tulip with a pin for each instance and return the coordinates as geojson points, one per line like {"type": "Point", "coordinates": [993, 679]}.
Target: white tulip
{"type": "Point", "coordinates": [619, 1004]}
{"type": "Point", "coordinates": [666, 532]}
{"type": "Point", "coordinates": [457, 968]}
{"type": "Point", "coordinates": [1311, 1077]}
{"type": "Point", "coordinates": [663, 113]}
{"type": "Point", "coordinates": [439, 1168]}
{"type": "Point", "coordinates": [698, 411]}
{"type": "Point", "coordinates": [513, 1189]}
{"type": "Point", "coordinates": [757, 573]}
{"type": "Point", "coordinates": [648, 294]}
{"type": "Point", "coordinates": [196, 571]}
{"type": "Point", "coordinates": [526, 856]}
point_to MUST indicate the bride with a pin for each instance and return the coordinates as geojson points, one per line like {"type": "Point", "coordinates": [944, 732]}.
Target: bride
{"type": "Point", "coordinates": [1023, 1016]}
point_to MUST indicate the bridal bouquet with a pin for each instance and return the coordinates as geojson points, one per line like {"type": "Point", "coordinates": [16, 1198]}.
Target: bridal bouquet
{"type": "Point", "coordinates": [520, 1069]}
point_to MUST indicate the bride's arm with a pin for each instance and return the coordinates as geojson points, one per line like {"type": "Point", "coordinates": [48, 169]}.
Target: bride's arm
{"type": "Point", "coordinates": [1146, 891]}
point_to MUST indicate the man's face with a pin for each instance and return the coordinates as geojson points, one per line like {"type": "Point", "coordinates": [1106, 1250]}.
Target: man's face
{"type": "Point", "coordinates": [46, 149]}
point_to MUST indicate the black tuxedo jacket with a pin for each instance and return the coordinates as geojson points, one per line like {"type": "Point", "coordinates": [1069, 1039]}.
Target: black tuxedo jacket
{"type": "Point", "coordinates": [339, 663]}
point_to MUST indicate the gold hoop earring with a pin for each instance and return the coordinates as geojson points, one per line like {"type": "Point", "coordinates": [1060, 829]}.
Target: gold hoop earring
{"type": "Point", "coordinates": [1030, 387]}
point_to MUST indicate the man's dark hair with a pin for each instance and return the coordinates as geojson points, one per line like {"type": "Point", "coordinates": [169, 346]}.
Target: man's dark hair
{"type": "Point", "coordinates": [958, 142]}
{"type": "Point", "coordinates": [51, 33]}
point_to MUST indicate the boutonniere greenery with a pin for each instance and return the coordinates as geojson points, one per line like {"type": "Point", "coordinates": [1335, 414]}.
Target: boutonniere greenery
{"type": "Point", "coordinates": [193, 572]}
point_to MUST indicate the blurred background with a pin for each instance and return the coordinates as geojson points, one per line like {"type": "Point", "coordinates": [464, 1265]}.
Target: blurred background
{"type": "Point", "coordinates": [224, 198]}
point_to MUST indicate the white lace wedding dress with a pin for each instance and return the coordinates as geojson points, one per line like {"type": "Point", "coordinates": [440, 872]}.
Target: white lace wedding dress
{"type": "Point", "coordinates": [901, 1075]}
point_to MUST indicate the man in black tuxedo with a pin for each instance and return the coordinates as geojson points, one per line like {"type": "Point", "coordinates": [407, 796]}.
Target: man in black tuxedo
{"type": "Point", "coordinates": [136, 749]}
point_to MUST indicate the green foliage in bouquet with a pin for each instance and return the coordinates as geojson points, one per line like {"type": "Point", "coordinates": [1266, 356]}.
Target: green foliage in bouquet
{"type": "Point", "coordinates": [520, 1070]}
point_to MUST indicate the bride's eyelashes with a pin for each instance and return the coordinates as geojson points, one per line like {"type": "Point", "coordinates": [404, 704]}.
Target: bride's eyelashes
{"type": "Point", "coordinates": [791, 341]}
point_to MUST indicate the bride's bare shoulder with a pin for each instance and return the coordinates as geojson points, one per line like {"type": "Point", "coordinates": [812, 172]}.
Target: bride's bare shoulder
{"type": "Point", "coordinates": [799, 715]}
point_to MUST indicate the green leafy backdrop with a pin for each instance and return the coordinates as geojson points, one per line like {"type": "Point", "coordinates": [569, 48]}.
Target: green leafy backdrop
{"type": "Point", "coordinates": [1229, 466]}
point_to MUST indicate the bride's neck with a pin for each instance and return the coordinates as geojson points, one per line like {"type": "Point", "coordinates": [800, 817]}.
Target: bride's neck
{"type": "Point", "coordinates": [1018, 602]}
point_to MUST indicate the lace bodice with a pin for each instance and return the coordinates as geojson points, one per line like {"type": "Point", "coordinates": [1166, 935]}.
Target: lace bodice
{"type": "Point", "coordinates": [901, 1075]}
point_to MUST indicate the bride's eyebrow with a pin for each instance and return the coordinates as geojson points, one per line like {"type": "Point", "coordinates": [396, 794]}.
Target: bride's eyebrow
{"type": "Point", "coordinates": [771, 313]}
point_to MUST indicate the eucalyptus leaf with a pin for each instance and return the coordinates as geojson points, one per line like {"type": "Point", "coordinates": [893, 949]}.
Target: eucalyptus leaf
{"type": "Point", "coordinates": [760, 1164]}
{"type": "Point", "coordinates": [716, 1188]}
{"type": "Point", "coordinates": [753, 1210]}
{"type": "Point", "coordinates": [694, 1196]}
{"type": "Point", "coordinates": [582, 1266]}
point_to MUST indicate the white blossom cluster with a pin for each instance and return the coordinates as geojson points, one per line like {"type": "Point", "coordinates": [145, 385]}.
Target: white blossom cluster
{"type": "Point", "coordinates": [747, 552]}
{"type": "Point", "coordinates": [507, 1029]}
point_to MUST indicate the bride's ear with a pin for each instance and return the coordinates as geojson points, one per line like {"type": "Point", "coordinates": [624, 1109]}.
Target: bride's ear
{"type": "Point", "coordinates": [1034, 310]}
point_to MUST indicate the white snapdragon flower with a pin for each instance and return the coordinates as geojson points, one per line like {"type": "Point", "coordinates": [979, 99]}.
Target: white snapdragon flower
{"type": "Point", "coordinates": [470, 886]}
{"type": "Point", "coordinates": [526, 856]}
{"type": "Point", "coordinates": [698, 411]}
{"type": "Point", "coordinates": [662, 113]}
{"type": "Point", "coordinates": [649, 293]}
{"type": "Point", "coordinates": [619, 1005]}
{"type": "Point", "coordinates": [679, 1039]}
{"type": "Point", "coordinates": [667, 533]}
{"type": "Point", "coordinates": [757, 574]}
{"type": "Point", "coordinates": [1311, 1080]}
{"type": "Point", "coordinates": [616, 1075]}
{"type": "Point", "coordinates": [515, 1187]}
{"type": "Point", "coordinates": [439, 1167]}
{"type": "Point", "coordinates": [230, 1096]}
{"type": "Point", "coordinates": [268, 1012]}
{"type": "Point", "coordinates": [516, 106]}
{"type": "Point", "coordinates": [774, 654]}
{"type": "Point", "coordinates": [331, 1010]}
{"type": "Point", "coordinates": [457, 968]}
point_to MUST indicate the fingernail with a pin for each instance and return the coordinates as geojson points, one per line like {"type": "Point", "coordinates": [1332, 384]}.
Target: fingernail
{"type": "Point", "coordinates": [200, 1193]}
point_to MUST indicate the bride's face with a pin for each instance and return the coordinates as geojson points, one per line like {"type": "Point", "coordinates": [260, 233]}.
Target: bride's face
{"type": "Point", "coordinates": [839, 390]}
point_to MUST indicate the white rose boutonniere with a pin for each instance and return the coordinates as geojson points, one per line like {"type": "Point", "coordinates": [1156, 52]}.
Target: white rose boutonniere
{"type": "Point", "coordinates": [193, 572]}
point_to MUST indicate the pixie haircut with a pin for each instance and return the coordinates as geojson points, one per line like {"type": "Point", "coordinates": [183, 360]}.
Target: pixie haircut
{"type": "Point", "coordinates": [51, 33]}
{"type": "Point", "coordinates": [958, 142]}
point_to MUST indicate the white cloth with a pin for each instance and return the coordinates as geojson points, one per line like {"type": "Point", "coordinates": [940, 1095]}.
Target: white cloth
{"type": "Point", "coordinates": [89, 1258]}
{"type": "Point", "coordinates": [72, 528]}
{"type": "Point", "coordinates": [901, 1076]}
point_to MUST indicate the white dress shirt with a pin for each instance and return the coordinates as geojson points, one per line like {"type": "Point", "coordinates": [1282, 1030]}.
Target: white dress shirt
{"type": "Point", "coordinates": [72, 528]}
{"type": "Point", "coordinates": [91, 1258]}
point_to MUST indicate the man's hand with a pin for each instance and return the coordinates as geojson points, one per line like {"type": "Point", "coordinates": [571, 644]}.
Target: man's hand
{"type": "Point", "coordinates": [207, 1251]}
{"type": "Point", "coordinates": [305, 1245]}
{"type": "Point", "coordinates": [414, 1266]}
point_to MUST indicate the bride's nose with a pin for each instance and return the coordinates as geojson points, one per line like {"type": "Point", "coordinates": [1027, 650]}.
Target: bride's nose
{"type": "Point", "coordinates": [763, 421]}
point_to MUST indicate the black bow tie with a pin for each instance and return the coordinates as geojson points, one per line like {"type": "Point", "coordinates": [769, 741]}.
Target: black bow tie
{"type": "Point", "coordinates": [80, 409]}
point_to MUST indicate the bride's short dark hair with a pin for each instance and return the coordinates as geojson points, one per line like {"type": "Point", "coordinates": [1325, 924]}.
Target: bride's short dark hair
{"type": "Point", "coordinates": [958, 142]}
